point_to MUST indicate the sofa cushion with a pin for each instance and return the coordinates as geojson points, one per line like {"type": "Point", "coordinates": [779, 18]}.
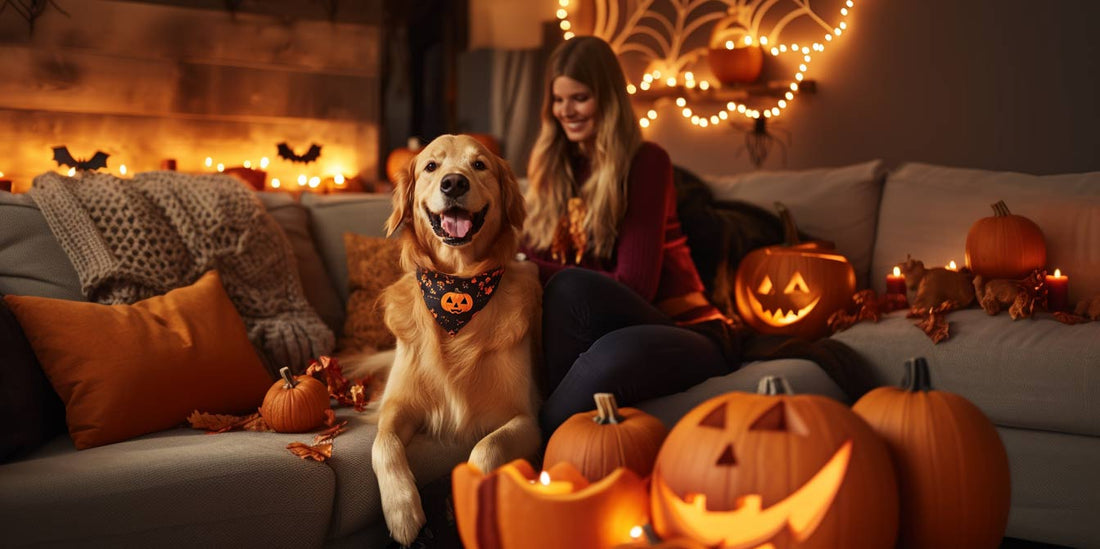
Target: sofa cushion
{"type": "Point", "coordinates": [358, 503]}
{"type": "Point", "coordinates": [180, 488]}
{"type": "Point", "coordinates": [128, 370]}
{"type": "Point", "coordinates": [835, 204]}
{"type": "Point", "coordinates": [31, 260]}
{"type": "Point", "coordinates": [335, 214]}
{"type": "Point", "coordinates": [373, 264]}
{"type": "Point", "coordinates": [1027, 374]}
{"type": "Point", "coordinates": [927, 212]}
{"type": "Point", "coordinates": [34, 411]}
{"type": "Point", "coordinates": [293, 218]}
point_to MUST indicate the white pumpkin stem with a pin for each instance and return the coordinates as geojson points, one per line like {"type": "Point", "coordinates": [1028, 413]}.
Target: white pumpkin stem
{"type": "Point", "coordinates": [289, 379]}
{"type": "Point", "coordinates": [607, 411]}
{"type": "Point", "coordinates": [774, 385]}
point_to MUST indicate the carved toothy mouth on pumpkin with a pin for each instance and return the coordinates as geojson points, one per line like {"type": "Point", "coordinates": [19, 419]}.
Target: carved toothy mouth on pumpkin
{"type": "Point", "coordinates": [456, 226]}
{"type": "Point", "coordinates": [801, 511]}
{"type": "Point", "coordinates": [780, 316]}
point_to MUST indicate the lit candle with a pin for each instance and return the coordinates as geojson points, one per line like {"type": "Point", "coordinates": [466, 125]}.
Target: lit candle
{"type": "Point", "coordinates": [552, 487]}
{"type": "Point", "coordinates": [952, 266]}
{"type": "Point", "coordinates": [895, 283]}
{"type": "Point", "coordinates": [5, 184]}
{"type": "Point", "coordinates": [1057, 291]}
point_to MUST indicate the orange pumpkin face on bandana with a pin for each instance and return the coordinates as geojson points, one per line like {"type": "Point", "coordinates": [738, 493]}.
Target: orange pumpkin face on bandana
{"type": "Point", "coordinates": [452, 300]}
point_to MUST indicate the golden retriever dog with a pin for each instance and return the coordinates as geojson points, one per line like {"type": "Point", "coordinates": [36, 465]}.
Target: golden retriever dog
{"type": "Point", "coordinates": [460, 211]}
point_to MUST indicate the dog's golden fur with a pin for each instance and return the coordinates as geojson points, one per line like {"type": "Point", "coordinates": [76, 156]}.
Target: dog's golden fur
{"type": "Point", "coordinates": [477, 385]}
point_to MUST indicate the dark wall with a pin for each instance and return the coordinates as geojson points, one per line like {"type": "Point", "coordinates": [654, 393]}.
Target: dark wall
{"type": "Point", "coordinates": [993, 84]}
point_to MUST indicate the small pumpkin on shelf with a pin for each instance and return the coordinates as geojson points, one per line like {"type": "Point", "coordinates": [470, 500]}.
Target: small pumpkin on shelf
{"type": "Point", "coordinates": [600, 441]}
{"type": "Point", "coordinates": [295, 404]}
{"type": "Point", "coordinates": [953, 476]}
{"type": "Point", "coordinates": [1005, 245]}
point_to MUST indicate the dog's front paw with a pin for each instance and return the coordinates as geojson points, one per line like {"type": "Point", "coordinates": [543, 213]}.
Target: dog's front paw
{"type": "Point", "coordinates": [404, 515]}
{"type": "Point", "coordinates": [486, 455]}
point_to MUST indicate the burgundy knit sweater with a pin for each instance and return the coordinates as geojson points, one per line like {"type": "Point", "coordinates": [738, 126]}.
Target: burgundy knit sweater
{"type": "Point", "coordinates": [651, 255]}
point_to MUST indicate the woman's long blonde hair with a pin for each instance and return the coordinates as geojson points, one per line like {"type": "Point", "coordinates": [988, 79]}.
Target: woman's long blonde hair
{"type": "Point", "coordinates": [590, 61]}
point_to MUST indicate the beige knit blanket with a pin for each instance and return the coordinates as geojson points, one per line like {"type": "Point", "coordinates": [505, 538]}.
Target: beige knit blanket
{"type": "Point", "coordinates": [131, 239]}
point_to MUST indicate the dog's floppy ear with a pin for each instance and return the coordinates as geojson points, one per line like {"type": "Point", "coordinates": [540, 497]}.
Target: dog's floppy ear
{"type": "Point", "coordinates": [515, 209]}
{"type": "Point", "coordinates": [402, 196]}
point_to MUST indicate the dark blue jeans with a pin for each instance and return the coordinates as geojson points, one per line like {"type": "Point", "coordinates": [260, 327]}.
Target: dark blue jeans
{"type": "Point", "coordinates": [601, 336]}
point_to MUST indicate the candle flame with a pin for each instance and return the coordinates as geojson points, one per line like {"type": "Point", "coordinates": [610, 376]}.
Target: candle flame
{"type": "Point", "coordinates": [544, 478]}
{"type": "Point", "coordinates": [1057, 273]}
{"type": "Point", "coordinates": [122, 169]}
{"type": "Point", "coordinates": [897, 271]}
{"type": "Point", "coordinates": [636, 532]}
{"type": "Point", "coordinates": [952, 266]}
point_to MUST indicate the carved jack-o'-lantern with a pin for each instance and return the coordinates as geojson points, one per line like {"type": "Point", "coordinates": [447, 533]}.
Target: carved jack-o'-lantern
{"type": "Point", "coordinates": [745, 470]}
{"type": "Point", "coordinates": [512, 507]}
{"type": "Point", "coordinates": [792, 289]}
{"type": "Point", "coordinates": [456, 302]}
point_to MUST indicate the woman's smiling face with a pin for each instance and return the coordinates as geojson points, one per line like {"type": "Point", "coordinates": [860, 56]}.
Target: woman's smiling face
{"type": "Point", "coordinates": [575, 108]}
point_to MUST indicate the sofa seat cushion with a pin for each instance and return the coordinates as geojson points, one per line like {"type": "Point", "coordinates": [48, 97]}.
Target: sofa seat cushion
{"type": "Point", "coordinates": [1027, 374]}
{"type": "Point", "coordinates": [178, 488]}
{"type": "Point", "coordinates": [357, 502]}
{"type": "Point", "coordinates": [804, 377]}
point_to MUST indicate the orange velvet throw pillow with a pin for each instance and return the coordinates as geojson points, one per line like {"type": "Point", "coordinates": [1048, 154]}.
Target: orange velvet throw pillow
{"type": "Point", "coordinates": [128, 370]}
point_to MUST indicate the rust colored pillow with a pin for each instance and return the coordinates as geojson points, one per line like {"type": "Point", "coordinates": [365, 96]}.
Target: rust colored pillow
{"type": "Point", "coordinates": [128, 370]}
{"type": "Point", "coordinates": [373, 264]}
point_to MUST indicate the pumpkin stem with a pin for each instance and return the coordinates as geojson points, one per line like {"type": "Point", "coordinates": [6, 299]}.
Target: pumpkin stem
{"type": "Point", "coordinates": [790, 230]}
{"type": "Point", "coordinates": [916, 377]}
{"type": "Point", "coordinates": [1000, 209]}
{"type": "Point", "coordinates": [285, 372]}
{"type": "Point", "coordinates": [606, 409]}
{"type": "Point", "coordinates": [774, 385]}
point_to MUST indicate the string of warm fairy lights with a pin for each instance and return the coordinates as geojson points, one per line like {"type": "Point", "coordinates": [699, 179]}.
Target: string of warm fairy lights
{"type": "Point", "coordinates": [687, 78]}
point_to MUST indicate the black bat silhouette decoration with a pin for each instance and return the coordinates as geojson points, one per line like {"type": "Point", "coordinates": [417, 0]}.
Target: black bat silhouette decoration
{"type": "Point", "coordinates": [64, 158]}
{"type": "Point", "coordinates": [286, 152]}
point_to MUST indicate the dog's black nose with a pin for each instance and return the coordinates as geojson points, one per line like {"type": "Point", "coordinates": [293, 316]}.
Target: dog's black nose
{"type": "Point", "coordinates": [454, 185]}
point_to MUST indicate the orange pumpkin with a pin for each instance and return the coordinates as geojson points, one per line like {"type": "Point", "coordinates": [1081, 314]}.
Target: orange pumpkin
{"type": "Point", "coordinates": [953, 477]}
{"type": "Point", "coordinates": [747, 470]}
{"type": "Point", "coordinates": [1005, 245]}
{"type": "Point", "coordinates": [295, 404]}
{"type": "Point", "coordinates": [597, 443]}
{"type": "Point", "coordinates": [736, 65]}
{"type": "Point", "coordinates": [793, 288]}
{"type": "Point", "coordinates": [400, 157]}
{"type": "Point", "coordinates": [456, 302]}
{"type": "Point", "coordinates": [512, 507]}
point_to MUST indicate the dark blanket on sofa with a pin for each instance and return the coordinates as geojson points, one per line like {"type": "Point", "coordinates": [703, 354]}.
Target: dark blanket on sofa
{"type": "Point", "coordinates": [720, 233]}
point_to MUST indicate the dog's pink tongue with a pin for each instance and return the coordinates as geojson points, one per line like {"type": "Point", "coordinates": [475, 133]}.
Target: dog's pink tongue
{"type": "Point", "coordinates": [457, 225]}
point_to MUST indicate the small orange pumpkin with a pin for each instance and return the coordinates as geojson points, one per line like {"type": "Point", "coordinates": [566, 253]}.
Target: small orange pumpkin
{"type": "Point", "coordinates": [953, 476]}
{"type": "Point", "coordinates": [295, 404]}
{"type": "Point", "coordinates": [611, 437]}
{"type": "Point", "coordinates": [456, 302]}
{"type": "Point", "coordinates": [1005, 245]}
{"type": "Point", "coordinates": [793, 288]}
{"type": "Point", "coordinates": [749, 470]}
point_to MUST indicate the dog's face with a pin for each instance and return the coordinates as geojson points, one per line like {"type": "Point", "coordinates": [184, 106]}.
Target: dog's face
{"type": "Point", "coordinates": [460, 202]}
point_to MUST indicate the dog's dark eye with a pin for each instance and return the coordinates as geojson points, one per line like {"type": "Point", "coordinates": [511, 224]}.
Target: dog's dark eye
{"type": "Point", "coordinates": [430, 166]}
{"type": "Point", "coordinates": [479, 165]}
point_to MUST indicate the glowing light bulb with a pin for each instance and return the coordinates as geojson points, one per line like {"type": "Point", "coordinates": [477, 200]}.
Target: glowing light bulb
{"type": "Point", "coordinates": [703, 122]}
{"type": "Point", "coordinates": [789, 96]}
{"type": "Point", "coordinates": [314, 182]}
{"type": "Point", "coordinates": [247, 164]}
{"type": "Point", "coordinates": [687, 112]}
{"type": "Point", "coordinates": [301, 180]}
{"type": "Point", "coordinates": [794, 86]}
{"type": "Point", "coordinates": [209, 162]}
{"type": "Point", "coordinates": [748, 40]}
{"type": "Point", "coordinates": [647, 78]}
{"type": "Point", "coordinates": [782, 104]}
{"type": "Point", "coordinates": [763, 40]}
{"type": "Point", "coordinates": [643, 122]}
{"type": "Point", "coordinates": [652, 114]}
{"type": "Point", "coordinates": [704, 85]}
{"type": "Point", "coordinates": [122, 169]}
{"type": "Point", "coordinates": [72, 172]}
{"type": "Point", "coordinates": [731, 105]}
{"type": "Point", "coordinates": [798, 76]}
{"type": "Point", "coordinates": [275, 183]}
{"type": "Point", "coordinates": [680, 102]}
{"type": "Point", "coordinates": [775, 51]}
{"type": "Point", "coordinates": [689, 75]}
{"type": "Point", "coordinates": [564, 25]}
{"type": "Point", "coordinates": [775, 111]}
{"type": "Point", "coordinates": [714, 119]}
{"type": "Point", "coordinates": [221, 167]}
{"type": "Point", "coordinates": [264, 162]}
{"type": "Point", "coordinates": [671, 81]}
{"type": "Point", "coordinates": [783, 48]}
{"type": "Point", "coordinates": [338, 179]}
{"type": "Point", "coordinates": [729, 44]}
{"type": "Point", "coordinates": [843, 25]}
{"type": "Point", "coordinates": [741, 108]}
{"type": "Point", "coordinates": [837, 31]}
{"type": "Point", "coordinates": [844, 11]}
{"type": "Point", "coordinates": [644, 85]}
{"type": "Point", "coordinates": [802, 67]}
{"type": "Point", "coordinates": [656, 74]}
{"type": "Point", "coordinates": [568, 35]}
{"type": "Point", "coordinates": [563, 3]}
{"type": "Point", "coordinates": [631, 89]}
{"type": "Point", "coordinates": [828, 38]}
{"type": "Point", "coordinates": [636, 532]}
{"type": "Point", "coordinates": [723, 115]}
{"type": "Point", "coordinates": [562, 14]}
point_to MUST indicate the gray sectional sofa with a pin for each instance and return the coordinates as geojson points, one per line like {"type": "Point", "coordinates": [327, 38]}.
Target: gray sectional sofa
{"type": "Point", "coordinates": [1038, 380]}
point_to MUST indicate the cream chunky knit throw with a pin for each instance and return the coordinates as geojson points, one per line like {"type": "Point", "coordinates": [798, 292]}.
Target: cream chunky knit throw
{"type": "Point", "coordinates": [134, 239]}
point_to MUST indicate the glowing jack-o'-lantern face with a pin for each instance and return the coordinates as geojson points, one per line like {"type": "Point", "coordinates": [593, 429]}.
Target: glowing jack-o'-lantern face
{"type": "Point", "coordinates": [793, 290]}
{"type": "Point", "coordinates": [744, 470]}
{"type": "Point", "coordinates": [456, 302]}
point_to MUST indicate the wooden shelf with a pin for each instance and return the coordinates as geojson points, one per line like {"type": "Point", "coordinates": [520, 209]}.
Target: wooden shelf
{"type": "Point", "coordinates": [724, 94]}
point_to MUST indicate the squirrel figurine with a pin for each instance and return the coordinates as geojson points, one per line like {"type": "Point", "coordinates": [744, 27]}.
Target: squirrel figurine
{"type": "Point", "coordinates": [928, 288]}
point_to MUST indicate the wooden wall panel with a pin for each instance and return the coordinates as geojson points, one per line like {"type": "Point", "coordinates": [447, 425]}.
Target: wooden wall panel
{"type": "Point", "coordinates": [148, 80]}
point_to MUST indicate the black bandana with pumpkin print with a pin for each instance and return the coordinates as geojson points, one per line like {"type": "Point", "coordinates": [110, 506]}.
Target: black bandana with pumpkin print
{"type": "Point", "coordinates": [453, 300]}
